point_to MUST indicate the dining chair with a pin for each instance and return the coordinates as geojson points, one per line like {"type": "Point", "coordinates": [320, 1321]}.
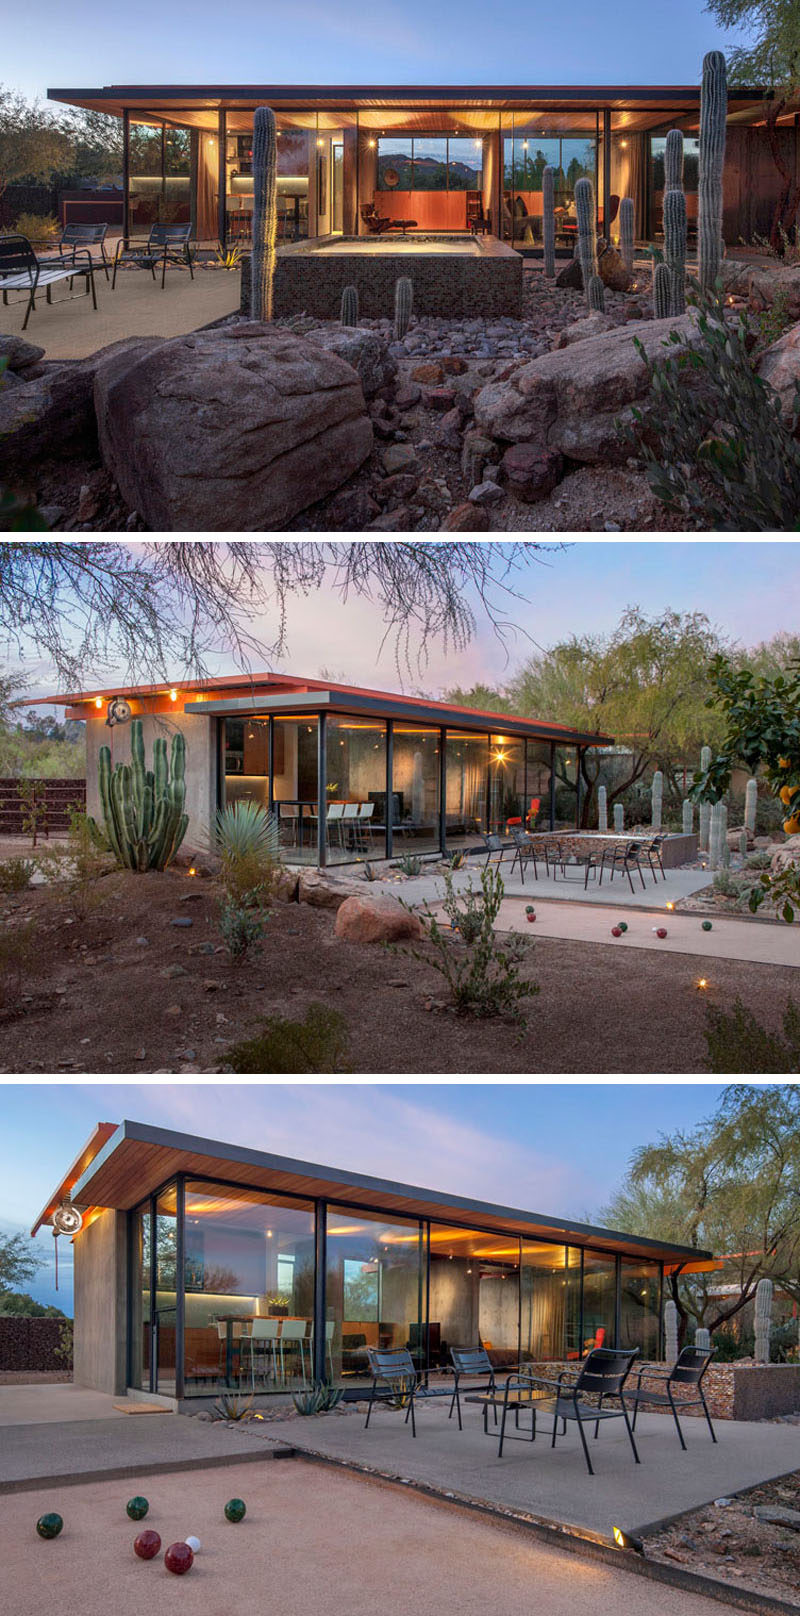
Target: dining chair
{"type": "Point", "coordinates": [222, 1337]}
{"type": "Point", "coordinates": [366, 811]}
{"type": "Point", "coordinates": [350, 824]}
{"type": "Point", "coordinates": [263, 1337]}
{"type": "Point", "coordinates": [333, 822]}
{"type": "Point", "coordinates": [293, 1336]}
{"type": "Point", "coordinates": [652, 853]}
{"type": "Point", "coordinates": [289, 815]}
{"type": "Point", "coordinates": [330, 1325]}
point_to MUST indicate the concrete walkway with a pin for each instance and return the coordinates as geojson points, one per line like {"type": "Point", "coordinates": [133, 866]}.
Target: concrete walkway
{"type": "Point", "coordinates": [71, 329]}
{"type": "Point", "coordinates": [55, 1403]}
{"type": "Point", "coordinates": [553, 1483]}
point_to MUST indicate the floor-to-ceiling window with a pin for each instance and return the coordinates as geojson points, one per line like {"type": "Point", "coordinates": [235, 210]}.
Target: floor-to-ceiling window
{"type": "Point", "coordinates": [506, 782]}
{"type": "Point", "coordinates": [374, 1290]}
{"type": "Point", "coordinates": [640, 1300]}
{"type": "Point", "coordinates": [474, 1293]}
{"type": "Point", "coordinates": [437, 169]}
{"type": "Point", "coordinates": [356, 812]}
{"type": "Point", "coordinates": [249, 1289]}
{"type": "Point", "coordinates": [691, 161]}
{"type": "Point", "coordinates": [467, 773]}
{"type": "Point", "coordinates": [165, 1262]}
{"type": "Point", "coordinates": [565, 141]}
{"type": "Point", "coordinates": [543, 1302]}
{"type": "Point", "coordinates": [415, 786]}
{"type": "Point", "coordinates": [538, 774]}
{"type": "Point", "coordinates": [246, 760]}
{"type": "Point", "coordinates": [295, 788]}
{"type": "Point", "coordinates": [599, 1300]}
{"type": "Point", "coordinates": [566, 795]}
{"type": "Point", "coordinates": [141, 1276]}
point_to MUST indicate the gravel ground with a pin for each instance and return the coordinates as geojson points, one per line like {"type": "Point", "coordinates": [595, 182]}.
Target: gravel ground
{"type": "Point", "coordinates": [732, 1542]}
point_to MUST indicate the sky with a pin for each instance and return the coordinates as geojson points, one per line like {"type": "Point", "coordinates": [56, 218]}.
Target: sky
{"type": "Point", "coordinates": [550, 1148]}
{"type": "Point", "coordinates": [404, 42]}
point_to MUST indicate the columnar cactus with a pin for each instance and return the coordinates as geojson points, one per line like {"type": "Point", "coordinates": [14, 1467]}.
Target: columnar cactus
{"type": "Point", "coordinates": [673, 161]}
{"type": "Point", "coordinates": [602, 808]}
{"type": "Point", "coordinates": [704, 810]}
{"type": "Point", "coordinates": [549, 221]}
{"type": "Point", "coordinates": [626, 232]}
{"type": "Point", "coordinates": [619, 818]}
{"type": "Point", "coordinates": [596, 295]}
{"type": "Point", "coordinates": [662, 292]}
{"type": "Point", "coordinates": [403, 305]}
{"type": "Point", "coordinates": [349, 314]}
{"type": "Point", "coordinates": [687, 816]}
{"type": "Point", "coordinates": [675, 248]}
{"type": "Point", "coordinates": [657, 799]}
{"type": "Point", "coordinates": [750, 805]}
{"type": "Point", "coordinates": [265, 213]}
{"type": "Point", "coordinates": [763, 1320]}
{"type": "Point", "coordinates": [743, 843]}
{"type": "Point", "coordinates": [670, 1332]}
{"type": "Point", "coordinates": [713, 115]}
{"type": "Point", "coordinates": [702, 1339]}
{"type": "Point", "coordinates": [143, 809]}
{"type": "Point", "coordinates": [718, 842]}
{"type": "Point", "coordinates": [587, 232]}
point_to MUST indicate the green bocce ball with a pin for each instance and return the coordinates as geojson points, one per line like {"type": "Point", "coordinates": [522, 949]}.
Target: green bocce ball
{"type": "Point", "coordinates": [136, 1508]}
{"type": "Point", "coordinates": [49, 1525]}
{"type": "Point", "coordinates": [235, 1510]}
{"type": "Point", "coordinates": [623, 925]}
{"type": "Point", "coordinates": [705, 925]}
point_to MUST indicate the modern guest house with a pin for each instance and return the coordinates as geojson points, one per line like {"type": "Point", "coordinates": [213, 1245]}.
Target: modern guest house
{"type": "Point", "coordinates": [350, 772]}
{"type": "Point", "coordinates": [201, 1265]}
{"type": "Point", "coordinates": [442, 159]}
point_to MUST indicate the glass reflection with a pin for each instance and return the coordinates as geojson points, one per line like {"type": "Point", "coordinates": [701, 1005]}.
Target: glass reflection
{"type": "Point", "coordinates": [373, 1290]}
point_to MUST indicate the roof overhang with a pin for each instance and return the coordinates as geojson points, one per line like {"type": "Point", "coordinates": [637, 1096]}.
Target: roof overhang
{"type": "Point", "coordinates": [102, 1133]}
{"type": "Point", "coordinates": [138, 1159]}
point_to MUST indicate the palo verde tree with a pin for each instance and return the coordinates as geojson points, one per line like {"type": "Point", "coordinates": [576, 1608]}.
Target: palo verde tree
{"type": "Point", "coordinates": [732, 1187]}
{"type": "Point", "coordinates": [33, 146]}
{"type": "Point", "coordinates": [770, 59]}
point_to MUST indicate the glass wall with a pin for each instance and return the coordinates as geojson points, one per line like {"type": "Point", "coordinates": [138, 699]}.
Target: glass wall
{"type": "Point", "coordinates": [543, 1302]}
{"type": "Point", "coordinates": [356, 752]}
{"type": "Point", "coordinates": [640, 1306]}
{"type": "Point", "coordinates": [506, 782]}
{"type": "Point", "coordinates": [566, 771]}
{"type": "Point", "coordinates": [467, 774]}
{"type": "Point", "coordinates": [691, 159]}
{"type": "Point", "coordinates": [141, 1279]}
{"type": "Point", "coordinates": [415, 787]}
{"type": "Point", "coordinates": [574, 1279]}
{"type": "Point", "coordinates": [160, 174]}
{"type": "Point", "coordinates": [438, 167]}
{"type": "Point", "coordinates": [374, 1290]}
{"type": "Point", "coordinates": [295, 788]}
{"type": "Point", "coordinates": [249, 1278]}
{"type": "Point", "coordinates": [566, 142]}
{"type": "Point", "coordinates": [599, 1300]}
{"type": "Point", "coordinates": [537, 788]}
{"type": "Point", "coordinates": [166, 1289]}
{"type": "Point", "coordinates": [474, 1293]}
{"type": "Point", "coordinates": [247, 760]}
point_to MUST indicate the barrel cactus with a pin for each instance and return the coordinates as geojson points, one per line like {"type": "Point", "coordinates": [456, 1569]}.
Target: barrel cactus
{"type": "Point", "coordinates": [626, 232]}
{"type": "Point", "coordinates": [750, 805]}
{"type": "Point", "coordinates": [713, 115]}
{"type": "Point", "coordinates": [675, 248]}
{"type": "Point", "coordinates": [265, 213]}
{"type": "Point", "coordinates": [349, 313]}
{"type": "Point", "coordinates": [587, 233]}
{"type": "Point", "coordinates": [549, 220]}
{"type": "Point", "coordinates": [403, 305]}
{"type": "Point", "coordinates": [763, 1320]}
{"type": "Point", "coordinates": [656, 799]}
{"type": "Point", "coordinates": [143, 809]}
{"type": "Point", "coordinates": [602, 808]}
{"type": "Point", "coordinates": [687, 817]}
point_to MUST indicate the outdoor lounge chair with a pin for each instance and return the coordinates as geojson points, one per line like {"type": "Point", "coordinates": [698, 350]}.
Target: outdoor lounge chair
{"type": "Point", "coordinates": [601, 1375]}
{"type": "Point", "coordinates": [22, 271]}
{"type": "Point", "coordinates": [81, 237]}
{"type": "Point", "coordinates": [166, 244]}
{"type": "Point", "coordinates": [471, 1361]}
{"type": "Point", "coordinates": [688, 1370]}
{"type": "Point", "coordinates": [395, 1377]}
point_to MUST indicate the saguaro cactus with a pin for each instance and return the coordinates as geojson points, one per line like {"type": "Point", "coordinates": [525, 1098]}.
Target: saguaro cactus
{"type": "Point", "coordinates": [675, 248]}
{"type": "Point", "coordinates": [587, 232]}
{"type": "Point", "coordinates": [626, 230]}
{"type": "Point", "coordinates": [143, 809]}
{"type": "Point", "coordinates": [349, 314]}
{"type": "Point", "coordinates": [713, 114]}
{"type": "Point", "coordinates": [265, 213]}
{"type": "Point", "coordinates": [763, 1320]}
{"type": "Point", "coordinates": [718, 842]}
{"type": "Point", "coordinates": [656, 799]}
{"type": "Point", "coordinates": [687, 816]}
{"type": "Point", "coordinates": [670, 1332]}
{"type": "Point", "coordinates": [673, 160]}
{"type": "Point", "coordinates": [662, 292]}
{"type": "Point", "coordinates": [596, 295]}
{"type": "Point", "coordinates": [702, 1339]}
{"type": "Point", "coordinates": [619, 818]}
{"type": "Point", "coordinates": [549, 220]}
{"type": "Point", "coordinates": [704, 810]}
{"type": "Point", "coordinates": [750, 805]}
{"type": "Point", "coordinates": [602, 808]}
{"type": "Point", "coordinates": [403, 305]}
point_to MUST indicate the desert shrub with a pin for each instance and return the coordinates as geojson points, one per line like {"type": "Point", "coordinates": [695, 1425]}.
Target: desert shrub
{"type": "Point", "coordinates": [725, 884]}
{"type": "Point", "coordinates": [15, 875]}
{"type": "Point", "coordinates": [730, 1345]}
{"type": "Point", "coordinates": [769, 813]}
{"type": "Point", "coordinates": [737, 1042]}
{"type": "Point", "coordinates": [75, 867]}
{"type": "Point", "coordinates": [773, 321]}
{"type": "Point", "coordinates": [65, 1343]}
{"type": "Point", "coordinates": [760, 860]}
{"type": "Point", "coordinates": [714, 444]}
{"type": "Point", "coordinates": [19, 955]}
{"type": "Point", "coordinates": [318, 1043]}
{"type": "Point", "coordinates": [482, 970]}
{"type": "Point", "coordinates": [41, 229]}
{"type": "Point", "coordinates": [242, 924]}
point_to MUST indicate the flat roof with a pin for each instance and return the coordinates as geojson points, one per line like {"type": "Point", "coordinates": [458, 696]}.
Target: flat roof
{"type": "Point", "coordinates": [137, 1159]}
{"type": "Point", "coordinates": [309, 96]}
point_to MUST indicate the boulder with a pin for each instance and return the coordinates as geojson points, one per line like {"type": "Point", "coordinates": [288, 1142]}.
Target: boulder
{"type": "Point", "coordinates": [465, 518]}
{"type": "Point", "coordinates": [569, 400]}
{"type": "Point", "coordinates": [18, 353]}
{"type": "Point", "coordinates": [779, 365]}
{"type": "Point", "coordinates": [400, 457]}
{"type": "Point", "coordinates": [53, 416]}
{"type": "Point", "coordinates": [234, 428]}
{"type": "Point", "coordinates": [323, 891]}
{"type": "Point", "coordinates": [486, 493]}
{"type": "Point", "coordinates": [350, 510]}
{"type": "Point", "coordinates": [761, 283]}
{"type": "Point", "coordinates": [383, 919]}
{"type": "Point", "coordinates": [611, 267]}
{"type": "Point", "coordinates": [571, 276]}
{"type": "Point", "coordinates": [431, 373]}
{"type": "Point", "coordinates": [785, 857]}
{"type": "Point", "coordinates": [531, 472]}
{"type": "Point", "coordinates": [591, 325]}
{"type": "Point", "coordinates": [364, 350]}
{"type": "Point", "coordinates": [733, 836]}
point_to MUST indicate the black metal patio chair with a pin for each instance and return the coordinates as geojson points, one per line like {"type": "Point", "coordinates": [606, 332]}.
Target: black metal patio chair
{"type": "Point", "coordinates": [688, 1370]}
{"type": "Point", "coordinates": [469, 1362]}
{"type": "Point", "coordinates": [166, 244]}
{"type": "Point", "coordinates": [525, 853]}
{"type": "Point", "coordinates": [22, 271]}
{"type": "Point", "coordinates": [491, 843]}
{"type": "Point", "coordinates": [623, 857]}
{"type": "Point", "coordinates": [396, 1380]}
{"type": "Point", "coordinates": [602, 1375]}
{"type": "Point", "coordinates": [81, 237]}
{"type": "Point", "coordinates": [652, 854]}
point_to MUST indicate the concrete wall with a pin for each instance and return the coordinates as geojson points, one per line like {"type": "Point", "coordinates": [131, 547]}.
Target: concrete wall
{"type": "Point", "coordinates": [101, 1297]}
{"type": "Point", "coordinates": [201, 764]}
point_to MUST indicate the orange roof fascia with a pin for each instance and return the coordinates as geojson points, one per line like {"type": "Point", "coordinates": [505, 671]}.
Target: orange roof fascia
{"type": "Point", "coordinates": [707, 1265]}
{"type": "Point", "coordinates": [93, 1146]}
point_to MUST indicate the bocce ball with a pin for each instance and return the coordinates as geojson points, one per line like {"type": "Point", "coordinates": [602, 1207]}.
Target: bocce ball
{"type": "Point", "coordinates": [661, 931]}
{"type": "Point", "coordinates": [705, 925]}
{"type": "Point", "coordinates": [147, 1545]}
{"type": "Point", "coordinates": [178, 1558]}
{"type": "Point", "coordinates": [137, 1508]}
{"type": "Point", "coordinates": [616, 931]}
{"type": "Point", "coordinates": [530, 915]}
{"type": "Point", "coordinates": [623, 925]}
{"type": "Point", "coordinates": [49, 1525]}
{"type": "Point", "coordinates": [235, 1509]}
{"type": "Point", "coordinates": [194, 1544]}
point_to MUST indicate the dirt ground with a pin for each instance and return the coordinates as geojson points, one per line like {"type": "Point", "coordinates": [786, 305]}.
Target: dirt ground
{"type": "Point", "coordinates": [124, 990]}
{"type": "Point", "coordinates": [312, 1539]}
{"type": "Point", "coordinates": [731, 1542]}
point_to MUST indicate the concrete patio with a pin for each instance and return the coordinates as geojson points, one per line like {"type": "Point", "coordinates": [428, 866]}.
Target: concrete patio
{"type": "Point", "coordinates": [70, 328]}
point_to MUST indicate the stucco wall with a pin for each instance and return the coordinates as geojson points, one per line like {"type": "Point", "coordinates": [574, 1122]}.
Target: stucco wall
{"type": "Point", "coordinates": [101, 1294]}
{"type": "Point", "coordinates": [201, 763]}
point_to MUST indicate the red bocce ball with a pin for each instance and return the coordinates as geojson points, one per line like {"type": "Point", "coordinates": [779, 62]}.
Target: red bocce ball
{"type": "Point", "coordinates": [147, 1545]}
{"type": "Point", "coordinates": [616, 931]}
{"type": "Point", "coordinates": [179, 1558]}
{"type": "Point", "coordinates": [661, 931]}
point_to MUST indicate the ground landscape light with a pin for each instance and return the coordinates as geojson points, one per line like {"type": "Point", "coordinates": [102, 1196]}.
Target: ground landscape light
{"type": "Point", "coordinates": [624, 1540]}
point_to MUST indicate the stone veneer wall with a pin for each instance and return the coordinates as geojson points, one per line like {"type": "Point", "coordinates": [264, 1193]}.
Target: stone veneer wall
{"type": "Point", "coordinates": [484, 285]}
{"type": "Point", "coordinates": [31, 1344]}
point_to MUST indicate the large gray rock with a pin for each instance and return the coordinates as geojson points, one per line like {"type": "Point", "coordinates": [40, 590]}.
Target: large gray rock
{"type": "Point", "coordinates": [780, 366]}
{"type": "Point", "coordinates": [364, 350]}
{"type": "Point", "coordinates": [52, 416]}
{"type": "Point", "coordinates": [570, 400]}
{"type": "Point", "coordinates": [762, 282]}
{"type": "Point", "coordinates": [235, 428]}
{"type": "Point", "coordinates": [17, 352]}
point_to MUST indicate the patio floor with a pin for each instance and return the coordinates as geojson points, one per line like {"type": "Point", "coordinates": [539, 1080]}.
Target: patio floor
{"type": "Point", "coordinates": [72, 329]}
{"type": "Point", "coordinates": [554, 1484]}
{"type": "Point", "coordinates": [679, 883]}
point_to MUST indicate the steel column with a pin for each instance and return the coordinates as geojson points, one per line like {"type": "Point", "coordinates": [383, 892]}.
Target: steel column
{"type": "Point", "coordinates": [578, 756]}
{"type": "Point", "coordinates": [442, 792]}
{"type": "Point", "coordinates": [222, 143]}
{"type": "Point", "coordinates": [126, 175]}
{"type": "Point", "coordinates": [387, 812]}
{"type": "Point", "coordinates": [617, 1300]}
{"type": "Point", "coordinates": [319, 1367]}
{"type": "Point", "coordinates": [552, 785]}
{"type": "Point", "coordinates": [180, 1297]}
{"type": "Point", "coordinates": [271, 763]}
{"type": "Point", "coordinates": [606, 172]}
{"type": "Point", "coordinates": [322, 794]}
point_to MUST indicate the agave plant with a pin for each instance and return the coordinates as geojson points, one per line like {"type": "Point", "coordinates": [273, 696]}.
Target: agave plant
{"type": "Point", "coordinates": [319, 1398]}
{"type": "Point", "coordinates": [410, 864]}
{"type": "Point", "coordinates": [245, 829]}
{"type": "Point", "coordinates": [228, 257]}
{"type": "Point", "coordinates": [233, 1408]}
